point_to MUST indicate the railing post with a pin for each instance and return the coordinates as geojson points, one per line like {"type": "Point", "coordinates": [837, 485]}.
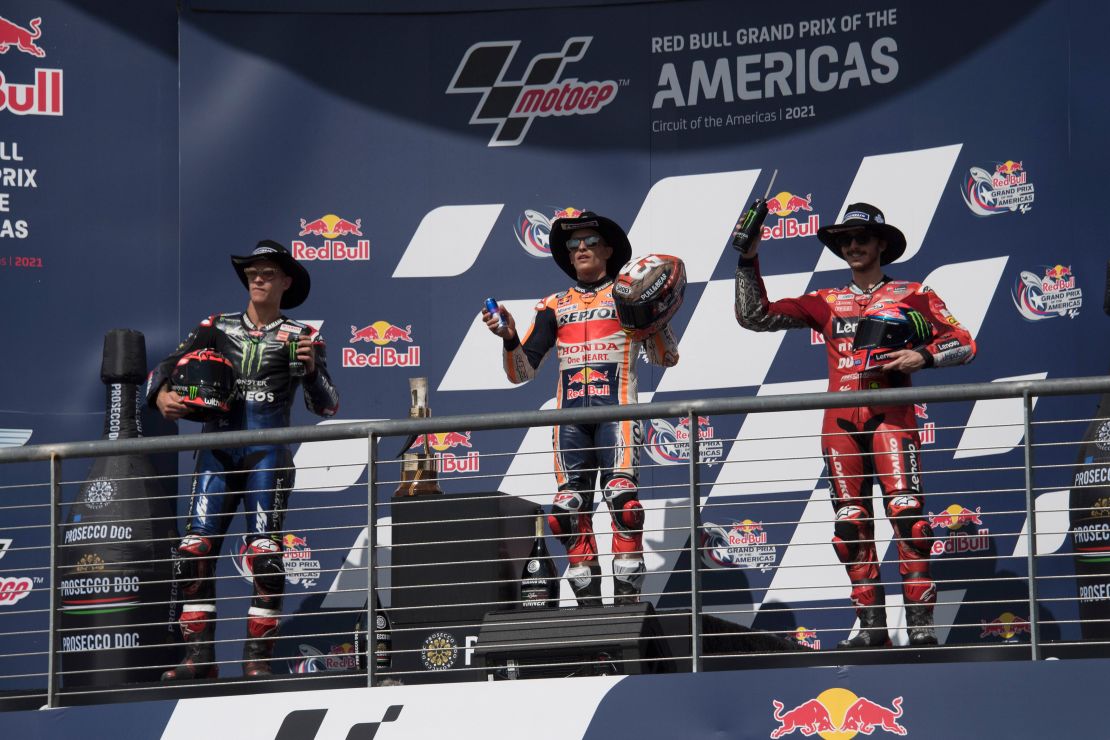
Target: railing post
{"type": "Point", "coordinates": [52, 622]}
{"type": "Point", "coordinates": [371, 562]}
{"type": "Point", "coordinates": [1031, 513]}
{"type": "Point", "coordinates": [695, 542]}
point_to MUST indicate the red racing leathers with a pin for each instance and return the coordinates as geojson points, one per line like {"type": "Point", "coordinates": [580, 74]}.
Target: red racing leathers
{"type": "Point", "coordinates": [597, 367]}
{"type": "Point", "coordinates": [859, 443]}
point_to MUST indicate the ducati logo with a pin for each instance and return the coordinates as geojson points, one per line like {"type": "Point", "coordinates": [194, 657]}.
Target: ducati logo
{"type": "Point", "coordinates": [512, 105]}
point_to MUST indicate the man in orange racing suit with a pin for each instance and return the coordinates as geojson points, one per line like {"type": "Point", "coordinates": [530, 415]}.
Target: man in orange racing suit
{"type": "Point", "coordinates": [597, 367]}
{"type": "Point", "coordinates": [874, 440]}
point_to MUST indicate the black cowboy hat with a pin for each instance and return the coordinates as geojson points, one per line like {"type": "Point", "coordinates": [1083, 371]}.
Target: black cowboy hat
{"type": "Point", "coordinates": [865, 216]}
{"type": "Point", "coordinates": [268, 249]}
{"type": "Point", "coordinates": [614, 236]}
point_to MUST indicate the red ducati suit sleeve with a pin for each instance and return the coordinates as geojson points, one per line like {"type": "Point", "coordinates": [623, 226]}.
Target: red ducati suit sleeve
{"type": "Point", "coordinates": [952, 343]}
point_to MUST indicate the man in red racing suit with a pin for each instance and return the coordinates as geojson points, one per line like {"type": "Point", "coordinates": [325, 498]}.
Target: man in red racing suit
{"type": "Point", "coordinates": [597, 367]}
{"type": "Point", "coordinates": [879, 441]}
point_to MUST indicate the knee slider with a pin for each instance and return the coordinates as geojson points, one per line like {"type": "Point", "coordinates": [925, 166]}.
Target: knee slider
{"type": "Point", "coordinates": [264, 558]}
{"type": "Point", "coordinates": [620, 493]}
{"type": "Point", "coordinates": [848, 531]}
{"type": "Point", "coordinates": [563, 519]}
{"type": "Point", "coordinates": [192, 563]}
{"type": "Point", "coordinates": [904, 512]}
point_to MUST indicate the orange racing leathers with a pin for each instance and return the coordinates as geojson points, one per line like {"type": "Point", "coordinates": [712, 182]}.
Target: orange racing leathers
{"type": "Point", "coordinates": [597, 367]}
{"type": "Point", "coordinates": [859, 443]}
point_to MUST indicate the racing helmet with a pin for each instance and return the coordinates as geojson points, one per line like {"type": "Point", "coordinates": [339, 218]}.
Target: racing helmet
{"type": "Point", "coordinates": [647, 293]}
{"type": "Point", "coordinates": [205, 380]}
{"type": "Point", "coordinates": [886, 327]}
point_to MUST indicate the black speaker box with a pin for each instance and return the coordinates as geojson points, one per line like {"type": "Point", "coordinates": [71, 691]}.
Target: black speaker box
{"type": "Point", "coordinates": [589, 641]}
{"type": "Point", "coordinates": [447, 571]}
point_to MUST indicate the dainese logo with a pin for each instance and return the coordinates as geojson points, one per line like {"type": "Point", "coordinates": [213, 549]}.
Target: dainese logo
{"type": "Point", "coordinates": [512, 105]}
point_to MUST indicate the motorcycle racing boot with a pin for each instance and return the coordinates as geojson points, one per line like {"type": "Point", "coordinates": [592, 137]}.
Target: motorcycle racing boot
{"type": "Point", "coordinates": [585, 582]}
{"type": "Point", "coordinates": [919, 625]}
{"type": "Point", "coordinates": [199, 661]}
{"type": "Point", "coordinates": [872, 629]}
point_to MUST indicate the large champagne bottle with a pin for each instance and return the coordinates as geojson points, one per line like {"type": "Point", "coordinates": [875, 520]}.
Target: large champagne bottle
{"type": "Point", "coordinates": [115, 554]}
{"type": "Point", "coordinates": [539, 585]}
{"type": "Point", "coordinates": [1089, 509]}
{"type": "Point", "coordinates": [383, 639]}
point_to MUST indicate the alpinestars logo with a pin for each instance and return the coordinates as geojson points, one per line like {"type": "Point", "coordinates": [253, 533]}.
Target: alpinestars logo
{"type": "Point", "coordinates": [513, 105]}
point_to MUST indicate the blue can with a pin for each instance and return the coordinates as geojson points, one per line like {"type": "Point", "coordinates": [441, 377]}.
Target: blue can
{"type": "Point", "coordinates": [491, 306]}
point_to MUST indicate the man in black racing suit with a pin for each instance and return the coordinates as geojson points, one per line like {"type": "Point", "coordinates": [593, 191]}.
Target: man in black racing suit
{"type": "Point", "coordinates": [256, 342]}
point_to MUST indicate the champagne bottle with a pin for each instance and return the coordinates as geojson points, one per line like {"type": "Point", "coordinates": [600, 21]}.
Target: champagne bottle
{"type": "Point", "coordinates": [383, 639]}
{"type": "Point", "coordinates": [539, 586]}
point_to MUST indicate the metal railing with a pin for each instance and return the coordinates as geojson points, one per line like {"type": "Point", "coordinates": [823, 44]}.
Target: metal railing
{"type": "Point", "coordinates": [414, 574]}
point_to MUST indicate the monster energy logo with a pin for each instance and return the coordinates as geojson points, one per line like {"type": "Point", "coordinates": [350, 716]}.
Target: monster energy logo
{"type": "Point", "coordinates": [252, 355]}
{"type": "Point", "coordinates": [920, 326]}
{"type": "Point", "coordinates": [193, 391]}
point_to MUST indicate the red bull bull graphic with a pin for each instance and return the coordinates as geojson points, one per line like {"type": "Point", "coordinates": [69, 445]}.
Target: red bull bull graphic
{"type": "Point", "coordinates": [23, 39]}
{"type": "Point", "coordinates": [1005, 190]}
{"type": "Point", "coordinates": [335, 249]}
{"type": "Point", "coordinates": [587, 381]}
{"type": "Point", "coordinates": [669, 444]}
{"type": "Point", "coordinates": [533, 232]}
{"type": "Point", "coordinates": [838, 713]}
{"type": "Point", "coordinates": [382, 334]}
{"type": "Point", "coordinates": [955, 517]}
{"type": "Point", "coordinates": [784, 205]}
{"type": "Point", "coordinates": [1006, 626]}
{"type": "Point", "coordinates": [740, 545]}
{"type": "Point", "coordinates": [1050, 296]}
{"type": "Point", "coordinates": [449, 462]}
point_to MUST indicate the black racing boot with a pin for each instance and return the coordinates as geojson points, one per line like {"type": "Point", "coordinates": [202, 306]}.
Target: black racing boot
{"type": "Point", "coordinates": [919, 625]}
{"type": "Point", "coordinates": [258, 650]}
{"type": "Point", "coordinates": [872, 629]}
{"type": "Point", "coordinates": [200, 656]}
{"type": "Point", "coordinates": [585, 582]}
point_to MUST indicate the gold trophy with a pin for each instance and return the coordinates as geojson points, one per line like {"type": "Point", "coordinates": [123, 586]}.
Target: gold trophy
{"type": "Point", "coordinates": [419, 467]}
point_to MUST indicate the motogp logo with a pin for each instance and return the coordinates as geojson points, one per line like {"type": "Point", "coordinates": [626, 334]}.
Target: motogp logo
{"type": "Point", "coordinates": [513, 104]}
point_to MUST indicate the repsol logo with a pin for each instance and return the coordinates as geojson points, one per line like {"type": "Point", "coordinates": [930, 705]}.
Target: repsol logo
{"type": "Point", "coordinates": [1092, 476]}
{"type": "Point", "coordinates": [590, 315]}
{"type": "Point", "coordinates": [844, 327]}
{"type": "Point", "coordinates": [1091, 533]}
{"type": "Point", "coordinates": [304, 724]}
{"type": "Point", "coordinates": [97, 532]}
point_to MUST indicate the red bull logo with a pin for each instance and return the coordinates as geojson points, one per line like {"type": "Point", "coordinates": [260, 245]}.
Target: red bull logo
{"type": "Point", "coordinates": [838, 713]}
{"type": "Point", "coordinates": [449, 462]}
{"type": "Point", "coordinates": [41, 98]}
{"type": "Point", "coordinates": [1057, 278]}
{"type": "Point", "coordinates": [295, 547]}
{"type": "Point", "coordinates": [807, 638]}
{"type": "Point", "coordinates": [1006, 625]}
{"type": "Point", "coordinates": [1006, 174]}
{"type": "Point", "coordinates": [955, 517]}
{"type": "Point", "coordinates": [590, 382]}
{"type": "Point", "coordinates": [962, 542]}
{"type": "Point", "coordinates": [332, 227]}
{"type": "Point", "coordinates": [747, 532]}
{"type": "Point", "coordinates": [382, 334]}
{"type": "Point", "coordinates": [568, 212]}
{"type": "Point", "coordinates": [784, 205]}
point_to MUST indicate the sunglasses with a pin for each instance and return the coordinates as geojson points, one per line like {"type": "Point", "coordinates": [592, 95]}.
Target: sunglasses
{"type": "Point", "coordinates": [859, 237]}
{"type": "Point", "coordinates": [266, 273]}
{"type": "Point", "coordinates": [590, 241]}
